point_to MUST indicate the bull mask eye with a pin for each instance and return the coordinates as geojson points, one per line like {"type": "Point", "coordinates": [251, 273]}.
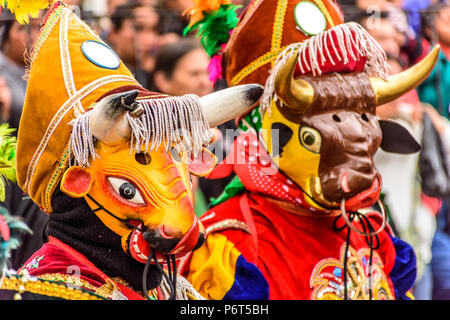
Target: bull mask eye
{"type": "Point", "coordinates": [126, 190]}
{"type": "Point", "coordinates": [309, 18]}
{"type": "Point", "coordinates": [310, 138]}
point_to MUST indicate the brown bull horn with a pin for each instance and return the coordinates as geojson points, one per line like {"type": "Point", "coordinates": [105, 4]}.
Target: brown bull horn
{"type": "Point", "coordinates": [399, 84]}
{"type": "Point", "coordinates": [224, 105]}
{"type": "Point", "coordinates": [297, 95]}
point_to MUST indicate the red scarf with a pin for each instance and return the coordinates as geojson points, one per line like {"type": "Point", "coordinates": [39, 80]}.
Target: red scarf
{"type": "Point", "coordinates": [251, 163]}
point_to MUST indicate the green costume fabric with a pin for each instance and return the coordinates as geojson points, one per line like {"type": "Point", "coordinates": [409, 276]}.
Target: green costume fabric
{"type": "Point", "coordinates": [439, 78]}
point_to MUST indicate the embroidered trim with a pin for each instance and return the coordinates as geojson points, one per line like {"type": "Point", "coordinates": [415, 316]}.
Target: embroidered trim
{"type": "Point", "coordinates": [352, 41]}
{"type": "Point", "coordinates": [66, 63]}
{"type": "Point", "coordinates": [327, 277]}
{"type": "Point", "coordinates": [228, 224]}
{"type": "Point", "coordinates": [277, 33]}
{"type": "Point", "coordinates": [109, 289]}
{"type": "Point", "coordinates": [65, 278]}
{"type": "Point", "coordinates": [325, 12]}
{"type": "Point", "coordinates": [46, 288]}
{"type": "Point", "coordinates": [45, 32]}
{"type": "Point", "coordinates": [54, 180]}
{"type": "Point", "coordinates": [269, 57]}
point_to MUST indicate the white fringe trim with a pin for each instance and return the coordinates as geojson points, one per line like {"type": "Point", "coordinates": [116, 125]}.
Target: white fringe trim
{"type": "Point", "coordinates": [81, 143]}
{"type": "Point", "coordinates": [353, 41]}
{"type": "Point", "coordinates": [174, 122]}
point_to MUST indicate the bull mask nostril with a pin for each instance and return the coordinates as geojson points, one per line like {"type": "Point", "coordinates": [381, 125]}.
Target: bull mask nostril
{"type": "Point", "coordinates": [336, 118]}
{"type": "Point", "coordinates": [364, 117]}
{"type": "Point", "coordinates": [159, 242]}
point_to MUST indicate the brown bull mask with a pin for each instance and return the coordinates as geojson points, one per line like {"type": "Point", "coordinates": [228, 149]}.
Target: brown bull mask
{"type": "Point", "coordinates": [329, 125]}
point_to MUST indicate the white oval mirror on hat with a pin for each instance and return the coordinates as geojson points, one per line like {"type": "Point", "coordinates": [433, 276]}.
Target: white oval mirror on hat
{"type": "Point", "coordinates": [100, 54]}
{"type": "Point", "coordinates": [310, 19]}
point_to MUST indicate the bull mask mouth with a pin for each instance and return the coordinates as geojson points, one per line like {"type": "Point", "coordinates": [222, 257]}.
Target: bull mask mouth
{"type": "Point", "coordinates": [138, 247]}
{"type": "Point", "coordinates": [362, 200]}
{"type": "Point", "coordinates": [142, 242]}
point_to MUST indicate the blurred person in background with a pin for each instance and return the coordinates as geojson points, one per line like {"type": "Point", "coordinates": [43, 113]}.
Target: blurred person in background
{"type": "Point", "coordinates": [121, 37]}
{"type": "Point", "coordinates": [147, 42]}
{"type": "Point", "coordinates": [436, 91]}
{"type": "Point", "coordinates": [182, 67]}
{"type": "Point", "coordinates": [15, 41]}
{"type": "Point", "coordinates": [111, 6]}
{"type": "Point", "coordinates": [410, 214]}
{"type": "Point", "coordinates": [178, 6]}
{"type": "Point", "coordinates": [173, 21]}
{"type": "Point", "coordinates": [382, 29]}
{"type": "Point", "coordinates": [391, 30]}
{"type": "Point", "coordinates": [413, 10]}
{"type": "Point", "coordinates": [133, 36]}
{"type": "Point", "coordinates": [436, 30]}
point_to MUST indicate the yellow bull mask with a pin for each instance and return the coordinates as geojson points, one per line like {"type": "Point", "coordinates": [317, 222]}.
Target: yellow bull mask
{"type": "Point", "coordinates": [89, 128]}
{"type": "Point", "coordinates": [144, 194]}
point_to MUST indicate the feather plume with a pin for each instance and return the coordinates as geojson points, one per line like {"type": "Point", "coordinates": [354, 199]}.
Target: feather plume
{"type": "Point", "coordinates": [10, 227]}
{"type": "Point", "coordinates": [214, 29]}
{"type": "Point", "coordinates": [200, 7]}
{"type": "Point", "coordinates": [23, 9]}
{"type": "Point", "coordinates": [7, 158]}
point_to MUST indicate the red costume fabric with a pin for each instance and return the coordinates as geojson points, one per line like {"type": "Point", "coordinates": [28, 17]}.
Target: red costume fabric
{"type": "Point", "coordinates": [59, 262]}
{"type": "Point", "coordinates": [285, 248]}
{"type": "Point", "coordinates": [303, 254]}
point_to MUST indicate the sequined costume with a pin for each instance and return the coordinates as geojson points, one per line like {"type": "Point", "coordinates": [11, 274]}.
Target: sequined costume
{"type": "Point", "coordinates": [301, 219]}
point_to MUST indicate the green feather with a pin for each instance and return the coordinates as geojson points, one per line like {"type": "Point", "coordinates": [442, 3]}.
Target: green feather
{"type": "Point", "coordinates": [214, 28]}
{"type": "Point", "coordinates": [8, 143]}
{"type": "Point", "coordinates": [7, 157]}
{"type": "Point", "coordinates": [16, 227]}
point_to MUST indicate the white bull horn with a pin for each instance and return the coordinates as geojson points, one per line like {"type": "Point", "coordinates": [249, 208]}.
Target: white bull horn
{"type": "Point", "coordinates": [224, 105]}
{"type": "Point", "coordinates": [108, 122]}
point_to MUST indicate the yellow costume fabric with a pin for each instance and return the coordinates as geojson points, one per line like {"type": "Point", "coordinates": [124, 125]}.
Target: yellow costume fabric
{"type": "Point", "coordinates": [212, 271]}
{"type": "Point", "coordinates": [67, 86]}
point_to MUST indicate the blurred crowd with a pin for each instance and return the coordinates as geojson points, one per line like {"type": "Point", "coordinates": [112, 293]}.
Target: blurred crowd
{"type": "Point", "coordinates": [148, 36]}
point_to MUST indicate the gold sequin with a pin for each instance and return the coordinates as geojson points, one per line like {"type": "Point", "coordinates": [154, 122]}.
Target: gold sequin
{"type": "Point", "coordinates": [46, 288]}
{"type": "Point", "coordinates": [228, 224]}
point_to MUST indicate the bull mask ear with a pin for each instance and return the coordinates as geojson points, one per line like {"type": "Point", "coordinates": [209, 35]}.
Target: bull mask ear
{"type": "Point", "coordinates": [397, 139]}
{"type": "Point", "coordinates": [76, 182]}
{"type": "Point", "coordinates": [203, 163]}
